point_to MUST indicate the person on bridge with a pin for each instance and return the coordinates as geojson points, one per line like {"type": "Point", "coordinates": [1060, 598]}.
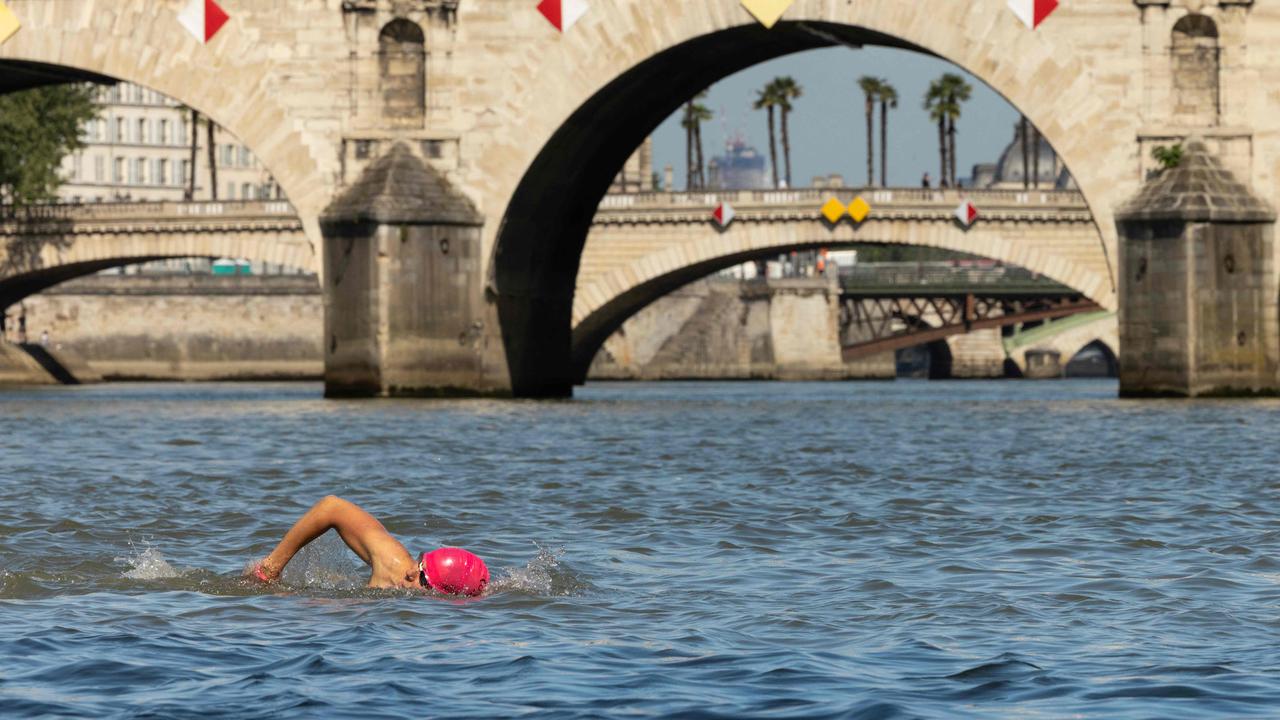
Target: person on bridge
{"type": "Point", "coordinates": [452, 571]}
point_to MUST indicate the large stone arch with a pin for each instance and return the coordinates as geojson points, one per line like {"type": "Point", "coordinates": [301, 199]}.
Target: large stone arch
{"type": "Point", "coordinates": [612, 79]}
{"type": "Point", "coordinates": [232, 79]}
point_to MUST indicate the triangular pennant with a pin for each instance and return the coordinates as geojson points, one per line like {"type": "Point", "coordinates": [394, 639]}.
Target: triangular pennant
{"type": "Point", "coordinates": [768, 12]}
{"type": "Point", "coordinates": [9, 23]}
{"type": "Point", "coordinates": [203, 19]}
{"type": "Point", "coordinates": [1033, 12]}
{"type": "Point", "coordinates": [563, 14]}
{"type": "Point", "coordinates": [966, 213]}
{"type": "Point", "coordinates": [724, 214]}
{"type": "Point", "coordinates": [214, 18]}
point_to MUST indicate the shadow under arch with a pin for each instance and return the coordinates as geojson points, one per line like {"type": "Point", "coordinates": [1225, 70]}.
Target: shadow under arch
{"type": "Point", "coordinates": [1096, 359]}
{"type": "Point", "coordinates": [540, 241]}
{"type": "Point", "coordinates": [23, 285]}
{"type": "Point", "coordinates": [541, 237]}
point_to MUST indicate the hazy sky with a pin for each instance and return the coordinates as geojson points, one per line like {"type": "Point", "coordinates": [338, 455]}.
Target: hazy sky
{"type": "Point", "coordinates": [828, 126]}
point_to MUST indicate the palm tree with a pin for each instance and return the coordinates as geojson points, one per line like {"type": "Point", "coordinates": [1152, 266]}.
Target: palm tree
{"type": "Point", "coordinates": [1023, 133]}
{"type": "Point", "coordinates": [958, 92]}
{"type": "Point", "coordinates": [1035, 157]}
{"type": "Point", "coordinates": [768, 100]}
{"type": "Point", "coordinates": [787, 90]}
{"type": "Point", "coordinates": [888, 99]}
{"type": "Point", "coordinates": [213, 158]}
{"type": "Point", "coordinates": [935, 100]}
{"type": "Point", "coordinates": [190, 193]}
{"type": "Point", "coordinates": [870, 91]}
{"type": "Point", "coordinates": [695, 114]}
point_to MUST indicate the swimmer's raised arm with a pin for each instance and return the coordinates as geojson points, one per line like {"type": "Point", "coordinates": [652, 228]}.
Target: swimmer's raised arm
{"type": "Point", "coordinates": [361, 532]}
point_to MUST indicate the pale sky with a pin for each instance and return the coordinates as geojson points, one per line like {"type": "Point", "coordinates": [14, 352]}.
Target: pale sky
{"type": "Point", "coordinates": [828, 126]}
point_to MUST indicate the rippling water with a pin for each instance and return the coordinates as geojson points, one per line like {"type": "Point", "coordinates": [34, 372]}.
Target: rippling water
{"type": "Point", "coordinates": [895, 550]}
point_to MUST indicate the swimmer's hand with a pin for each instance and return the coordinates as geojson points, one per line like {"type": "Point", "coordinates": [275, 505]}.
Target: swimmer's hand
{"type": "Point", "coordinates": [263, 573]}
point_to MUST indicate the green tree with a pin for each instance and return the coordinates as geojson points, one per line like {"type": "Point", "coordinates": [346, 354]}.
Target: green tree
{"type": "Point", "coordinates": [38, 128]}
{"type": "Point", "coordinates": [1168, 157]}
{"type": "Point", "coordinates": [787, 89]}
{"type": "Point", "coordinates": [695, 113]}
{"type": "Point", "coordinates": [888, 97]}
{"type": "Point", "coordinates": [870, 92]}
{"type": "Point", "coordinates": [767, 99]}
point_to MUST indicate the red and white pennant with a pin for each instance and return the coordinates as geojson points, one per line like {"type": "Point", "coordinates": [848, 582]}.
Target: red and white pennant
{"type": "Point", "coordinates": [724, 214]}
{"type": "Point", "coordinates": [203, 18]}
{"type": "Point", "coordinates": [563, 14]}
{"type": "Point", "coordinates": [1033, 12]}
{"type": "Point", "coordinates": [966, 213]}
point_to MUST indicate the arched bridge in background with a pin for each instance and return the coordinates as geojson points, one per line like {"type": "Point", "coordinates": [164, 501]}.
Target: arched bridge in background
{"type": "Point", "coordinates": [640, 247]}
{"type": "Point", "coordinates": [646, 245]}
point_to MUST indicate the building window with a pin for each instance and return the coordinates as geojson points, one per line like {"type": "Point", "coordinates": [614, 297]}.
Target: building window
{"type": "Point", "coordinates": [246, 192]}
{"type": "Point", "coordinates": [364, 148]}
{"type": "Point", "coordinates": [433, 149]}
{"type": "Point", "coordinates": [245, 157]}
{"type": "Point", "coordinates": [402, 60]}
{"type": "Point", "coordinates": [184, 172]}
{"type": "Point", "coordinates": [99, 168]}
{"type": "Point", "coordinates": [117, 171]}
{"type": "Point", "coordinates": [163, 134]}
{"type": "Point", "coordinates": [228, 155]}
{"type": "Point", "coordinates": [1196, 60]}
{"type": "Point", "coordinates": [140, 134]}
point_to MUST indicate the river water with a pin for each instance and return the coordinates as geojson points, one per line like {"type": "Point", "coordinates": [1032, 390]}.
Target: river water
{"type": "Point", "coordinates": [875, 550]}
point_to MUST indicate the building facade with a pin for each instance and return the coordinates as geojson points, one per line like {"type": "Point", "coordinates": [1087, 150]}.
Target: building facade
{"type": "Point", "coordinates": [140, 149]}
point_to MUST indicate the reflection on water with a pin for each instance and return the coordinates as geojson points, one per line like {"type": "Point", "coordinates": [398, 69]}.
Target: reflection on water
{"type": "Point", "coordinates": [876, 550]}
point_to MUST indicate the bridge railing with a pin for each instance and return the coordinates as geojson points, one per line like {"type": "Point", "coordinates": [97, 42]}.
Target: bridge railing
{"type": "Point", "coordinates": [816, 196]}
{"type": "Point", "coordinates": [90, 212]}
{"type": "Point", "coordinates": [944, 275]}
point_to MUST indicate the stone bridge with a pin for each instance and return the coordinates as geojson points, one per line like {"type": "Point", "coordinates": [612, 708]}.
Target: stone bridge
{"type": "Point", "coordinates": [527, 127]}
{"type": "Point", "coordinates": [642, 247]}
{"type": "Point", "coordinates": [51, 244]}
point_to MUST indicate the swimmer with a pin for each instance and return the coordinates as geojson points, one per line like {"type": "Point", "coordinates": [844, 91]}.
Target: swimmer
{"type": "Point", "coordinates": [452, 571]}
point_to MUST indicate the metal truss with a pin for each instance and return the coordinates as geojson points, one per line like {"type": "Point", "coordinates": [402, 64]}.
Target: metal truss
{"type": "Point", "coordinates": [882, 324]}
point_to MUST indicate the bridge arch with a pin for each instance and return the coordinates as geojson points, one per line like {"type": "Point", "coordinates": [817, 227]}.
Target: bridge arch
{"type": "Point", "coordinates": [605, 300]}
{"type": "Point", "coordinates": [229, 80]}
{"type": "Point", "coordinates": [53, 244]}
{"type": "Point", "coordinates": [661, 55]}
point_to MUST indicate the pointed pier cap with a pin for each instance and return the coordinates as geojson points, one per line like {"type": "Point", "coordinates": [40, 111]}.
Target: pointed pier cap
{"type": "Point", "coordinates": [1199, 189]}
{"type": "Point", "coordinates": [400, 189]}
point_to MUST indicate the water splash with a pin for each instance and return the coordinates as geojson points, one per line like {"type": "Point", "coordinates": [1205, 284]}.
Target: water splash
{"type": "Point", "coordinates": [147, 564]}
{"type": "Point", "coordinates": [326, 563]}
{"type": "Point", "coordinates": [545, 575]}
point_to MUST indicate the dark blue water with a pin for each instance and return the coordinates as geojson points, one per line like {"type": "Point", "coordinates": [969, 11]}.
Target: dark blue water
{"type": "Point", "coordinates": [896, 550]}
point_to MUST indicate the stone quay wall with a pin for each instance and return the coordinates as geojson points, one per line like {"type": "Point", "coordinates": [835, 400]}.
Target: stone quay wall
{"type": "Point", "coordinates": [186, 327]}
{"type": "Point", "coordinates": [731, 330]}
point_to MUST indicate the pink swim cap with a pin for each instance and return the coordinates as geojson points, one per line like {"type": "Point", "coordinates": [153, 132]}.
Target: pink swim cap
{"type": "Point", "coordinates": [455, 571]}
